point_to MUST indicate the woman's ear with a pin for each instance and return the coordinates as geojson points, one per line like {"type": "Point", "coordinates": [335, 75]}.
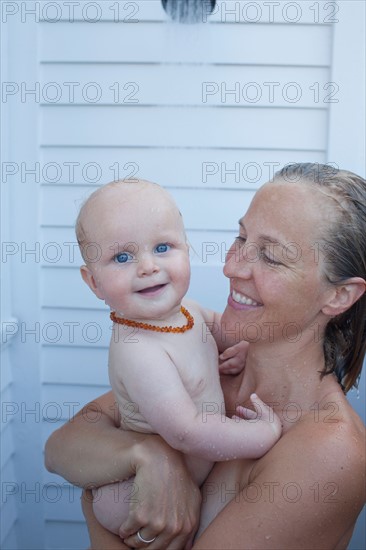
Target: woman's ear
{"type": "Point", "coordinates": [346, 294]}
{"type": "Point", "coordinates": [89, 279]}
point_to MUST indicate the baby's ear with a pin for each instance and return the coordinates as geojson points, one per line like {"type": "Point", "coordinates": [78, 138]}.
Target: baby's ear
{"type": "Point", "coordinates": [89, 279]}
{"type": "Point", "coordinates": [345, 295]}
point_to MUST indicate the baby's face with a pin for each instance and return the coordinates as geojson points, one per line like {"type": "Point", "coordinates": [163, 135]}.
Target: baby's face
{"type": "Point", "coordinates": [138, 254]}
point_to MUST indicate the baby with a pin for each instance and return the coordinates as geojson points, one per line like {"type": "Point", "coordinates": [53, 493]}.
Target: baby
{"type": "Point", "coordinates": [164, 374]}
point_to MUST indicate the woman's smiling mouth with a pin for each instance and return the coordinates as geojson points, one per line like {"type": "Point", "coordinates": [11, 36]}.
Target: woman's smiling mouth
{"type": "Point", "coordinates": [240, 301]}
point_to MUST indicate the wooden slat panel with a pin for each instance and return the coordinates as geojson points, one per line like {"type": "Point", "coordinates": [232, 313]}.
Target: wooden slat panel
{"type": "Point", "coordinates": [9, 539]}
{"type": "Point", "coordinates": [209, 287]}
{"type": "Point", "coordinates": [281, 11]}
{"type": "Point", "coordinates": [62, 502]}
{"type": "Point", "coordinates": [9, 485]}
{"type": "Point", "coordinates": [109, 42]}
{"type": "Point", "coordinates": [60, 535]}
{"type": "Point", "coordinates": [64, 288]}
{"type": "Point", "coordinates": [77, 328]}
{"type": "Point", "coordinates": [6, 374]}
{"type": "Point", "coordinates": [75, 365]}
{"type": "Point", "coordinates": [7, 440]}
{"type": "Point", "coordinates": [221, 209]}
{"type": "Point", "coordinates": [173, 126]}
{"type": "Point", "coordinates": [184, 85]}
{"type": "Point", "coordinates": [9, 407]}
{"type": "Point", "coordinates": [123, 11]}
{"type": "Point", "coordinates": [219, 168]}
{"type": "Point", "coordinates": [60, 248]}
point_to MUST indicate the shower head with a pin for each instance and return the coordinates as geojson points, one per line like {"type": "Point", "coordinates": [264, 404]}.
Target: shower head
{"type": "Point", "coordinates": [189, 11]}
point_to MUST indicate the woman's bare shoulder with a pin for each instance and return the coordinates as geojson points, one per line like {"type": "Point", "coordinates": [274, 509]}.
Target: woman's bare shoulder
{"type": "Point", "coordinates": [327, 445]}
{"type": "Point", "coordinates": [307, 489]}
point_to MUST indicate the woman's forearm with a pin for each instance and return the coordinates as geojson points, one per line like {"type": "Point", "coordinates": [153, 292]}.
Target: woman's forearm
{"type": "Point", "coordinates": [90, 450]}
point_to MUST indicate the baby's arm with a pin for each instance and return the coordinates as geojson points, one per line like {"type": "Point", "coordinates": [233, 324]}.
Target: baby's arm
{"type": "Point", "coordinates": [155, 386]}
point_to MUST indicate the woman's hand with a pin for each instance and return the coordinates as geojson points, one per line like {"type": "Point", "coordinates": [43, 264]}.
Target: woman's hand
{"type": "Point", "coordinates": [167, 502]}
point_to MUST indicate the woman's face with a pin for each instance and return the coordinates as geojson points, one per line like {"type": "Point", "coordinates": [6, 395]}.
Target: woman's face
{"type": "Point", "coordinates": [276, 269]}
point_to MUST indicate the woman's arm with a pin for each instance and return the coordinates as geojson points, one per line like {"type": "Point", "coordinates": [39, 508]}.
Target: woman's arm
{"type": "Point", "coordinates": [91, 450]}
{"type": "Point", "coordinates": [72, 452]}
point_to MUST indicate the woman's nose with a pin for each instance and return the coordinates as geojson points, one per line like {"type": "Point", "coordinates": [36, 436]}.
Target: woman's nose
{"type": "Point", "coordinates": [238, 263]}
{"type": "Point", "coordinates": [147, 265]}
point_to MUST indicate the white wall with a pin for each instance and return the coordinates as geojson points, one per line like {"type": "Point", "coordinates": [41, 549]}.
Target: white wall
{"type": "Point", "coordinates": [207, 111]}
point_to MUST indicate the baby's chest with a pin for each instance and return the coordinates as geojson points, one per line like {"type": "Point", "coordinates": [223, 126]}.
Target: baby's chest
{"type": "Point", "coordinates": [197, 363]}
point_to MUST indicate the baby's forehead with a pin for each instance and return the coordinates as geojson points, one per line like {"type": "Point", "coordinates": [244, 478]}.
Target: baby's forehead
{"type": "Point", "coordinates": [131, 192]}
{"type": "Point", "coordinates": [141, 197]}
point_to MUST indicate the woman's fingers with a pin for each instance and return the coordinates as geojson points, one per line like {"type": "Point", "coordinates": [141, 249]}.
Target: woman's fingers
{"type": "Point", "coordinates": [164, 540]}
{"type": "Point", "coordinates": [143, 538]}
{"type": "Point", "coordinates": [173, 531]}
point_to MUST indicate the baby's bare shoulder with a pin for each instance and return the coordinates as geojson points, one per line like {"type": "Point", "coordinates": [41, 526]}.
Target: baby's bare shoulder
{"type": "Point", "coordinates": [193, 307]}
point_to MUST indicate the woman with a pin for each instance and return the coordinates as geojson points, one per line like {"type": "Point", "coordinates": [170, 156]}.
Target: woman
{"type": "Point", "coordinates": [297, 291]}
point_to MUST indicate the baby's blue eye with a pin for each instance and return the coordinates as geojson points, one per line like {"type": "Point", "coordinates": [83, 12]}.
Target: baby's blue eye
{"type": "Point", "coordinates": [161, 248]}
{"type": "Point", "coordinates": [123, 258]}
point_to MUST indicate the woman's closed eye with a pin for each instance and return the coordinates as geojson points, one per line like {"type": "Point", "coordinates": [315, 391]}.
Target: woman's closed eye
{"type": "Point", "coordinates": [162, 247]}
{"type": "Point", "coordinates": [267, 259]}
{"type": "Point", "coordinates": [123, 257]}
{"type": "Point", "coordinates": [261, 254]}
{"type": "Point", "coordinates": [240, 240]}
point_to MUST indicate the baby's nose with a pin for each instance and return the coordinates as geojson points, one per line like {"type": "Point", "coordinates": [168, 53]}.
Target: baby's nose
{"type": "Point", "coordinates": [147, 265]}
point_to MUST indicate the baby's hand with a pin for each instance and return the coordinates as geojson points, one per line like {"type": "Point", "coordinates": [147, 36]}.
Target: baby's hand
{"type": "Point", "coordinates": [262, 413]}
{"type": "Point", "coordinates": [232, 360]}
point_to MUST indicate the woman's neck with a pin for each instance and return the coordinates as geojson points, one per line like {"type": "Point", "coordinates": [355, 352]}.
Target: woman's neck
{"type": "Point", "coordinates": [288, 378]}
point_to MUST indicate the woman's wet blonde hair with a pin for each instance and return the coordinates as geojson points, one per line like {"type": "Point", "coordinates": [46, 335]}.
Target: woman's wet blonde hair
{"type": "Point", "coordinates": [344, 247]}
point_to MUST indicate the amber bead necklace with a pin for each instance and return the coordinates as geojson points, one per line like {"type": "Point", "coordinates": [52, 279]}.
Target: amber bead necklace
{"type": "Point", "coordinates": [146, 326]}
